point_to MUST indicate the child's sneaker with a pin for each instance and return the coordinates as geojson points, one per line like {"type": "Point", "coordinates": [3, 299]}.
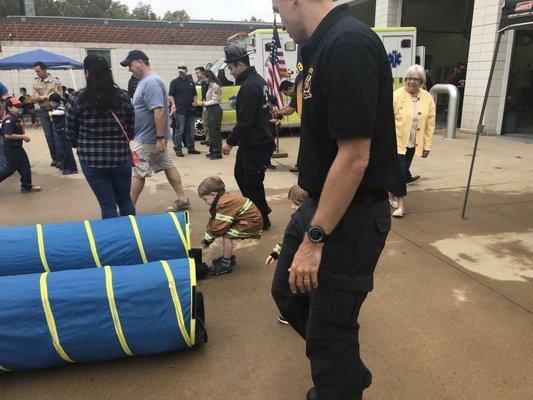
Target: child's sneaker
{"type": "Point", "coordinates": [220, 267]}
{"type": "Point", "coordinates": [233, 260]}
{"type": "Point", "coordinates": [282, 320]}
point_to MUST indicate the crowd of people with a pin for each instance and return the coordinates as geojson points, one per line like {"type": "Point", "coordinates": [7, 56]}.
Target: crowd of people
{"type": "Point", "coordinates": [358, 140]}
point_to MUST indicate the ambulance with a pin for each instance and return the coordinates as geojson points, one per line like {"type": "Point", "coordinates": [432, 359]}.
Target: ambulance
{"type": "Point", "coordinates": [399, 42]}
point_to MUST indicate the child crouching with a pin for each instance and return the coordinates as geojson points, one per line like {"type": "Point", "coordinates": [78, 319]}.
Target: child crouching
{"type": "Point", "coordinates": [232, 217]}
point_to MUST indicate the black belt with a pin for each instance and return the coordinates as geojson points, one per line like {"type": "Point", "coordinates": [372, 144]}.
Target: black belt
{"type": "Point", "coordinates": [370, 197]}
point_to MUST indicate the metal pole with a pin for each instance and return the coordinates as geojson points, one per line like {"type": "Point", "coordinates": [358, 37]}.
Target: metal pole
{"type": "Point", "coordinates": [453, 106]}
{"type": "Point", "coordinates": [73, 80]}
{"type": "Point", "coordinates": [480, 126]}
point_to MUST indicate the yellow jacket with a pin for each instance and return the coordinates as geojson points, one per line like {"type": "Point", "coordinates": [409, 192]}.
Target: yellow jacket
{"type": "Point", "coordinates": [403, 115]}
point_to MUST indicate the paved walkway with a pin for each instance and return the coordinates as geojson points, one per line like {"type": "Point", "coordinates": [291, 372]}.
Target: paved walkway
{"type": "Point", "coordinates": [450, 318]}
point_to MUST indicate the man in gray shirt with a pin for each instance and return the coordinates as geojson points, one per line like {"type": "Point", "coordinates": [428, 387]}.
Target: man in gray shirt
{"type": "Point", "coordinates": [152, 130]}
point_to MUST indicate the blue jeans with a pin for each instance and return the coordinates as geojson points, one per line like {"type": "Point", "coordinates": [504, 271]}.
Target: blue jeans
{"type": "Point", "coordinates": [111, 186]}
{"type": "Point", "coordinates": [51, 137]}
{"type": "Point", "coordinates": [184, 126]}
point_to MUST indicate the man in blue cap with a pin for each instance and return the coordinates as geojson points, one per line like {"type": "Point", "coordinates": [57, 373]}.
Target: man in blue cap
{"type": "Point", "coordinates": [252, 131]}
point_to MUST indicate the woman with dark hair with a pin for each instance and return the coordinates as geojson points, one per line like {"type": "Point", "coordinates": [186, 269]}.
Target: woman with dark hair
{"type": "Point", "coordinates": [100, 121]}
{"type": "Point", "coordinates": [212, 101]}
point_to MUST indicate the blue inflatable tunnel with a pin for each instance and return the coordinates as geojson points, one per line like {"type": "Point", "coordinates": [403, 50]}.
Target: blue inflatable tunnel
{"type": "Point", "coordinates": [87, 244]}
{"type": "Point", "coordinates": [99, 314]}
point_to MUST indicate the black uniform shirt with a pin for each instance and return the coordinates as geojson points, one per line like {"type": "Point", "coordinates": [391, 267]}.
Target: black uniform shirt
{"type": "Point", "coordinates": [347, 92]}
{"type": "Point", "coordinates": [183, 90]}
{"type": "Point", "coordinates": [12, 126]}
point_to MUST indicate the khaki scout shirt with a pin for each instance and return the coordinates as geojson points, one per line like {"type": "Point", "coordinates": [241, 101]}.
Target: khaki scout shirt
{"type": "Point", "coordinates": [45, 87]}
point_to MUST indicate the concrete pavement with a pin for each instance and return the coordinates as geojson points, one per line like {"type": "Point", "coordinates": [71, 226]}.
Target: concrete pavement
{"type": "Point", "coordinates": [450, 318]}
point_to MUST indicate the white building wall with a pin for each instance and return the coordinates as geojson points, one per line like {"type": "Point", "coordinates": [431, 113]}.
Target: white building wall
{"type": "Point", "coordinates": [388, 13]}
{"type": "Point", "coordinates": [163, 58]}
{"type": "Point", "coordinates": [482, 44]}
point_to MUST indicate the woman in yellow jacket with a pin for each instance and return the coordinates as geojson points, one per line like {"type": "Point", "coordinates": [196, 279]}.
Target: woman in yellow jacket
{"type": "Point", "coordinates": [414, 112]}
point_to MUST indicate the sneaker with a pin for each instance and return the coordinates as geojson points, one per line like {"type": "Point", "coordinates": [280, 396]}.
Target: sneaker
{"type": "Point", "coordinates": [32, 189]}
{"type": "Point", "coordinates": [67, 172]}
{"type": "Point", "coordinates": [220, 268]}
{"type": "Point", "coordinates": [393, 203]}
{"type": "Point", "coordinates": [59, 166]}
{"type": "Point", "coordinates": [194, 152]}
{"type": "Point", "coordinates": [233, 260]}
{"type": "Point", "coordinates": [399, 213]}
{"type": "Point", "coordinates": [282, 320]}
{"type": "Point", "coordinates": [208, 155]}
{"type": "Point", "coordinates": [312, 394]}
{"type": "Point", "coordinates": [215, 156]}
{"type": "Point", "coordinates": [270, 166]}
{"type": "Point", "coordinates": [294, 169]}
{"type": "Point", "coordinates": [414, 179]}
{"type": "Point", "coordinates": [206, 142]}
{"type": "Point", "coordinates": [266, 224]}
{"type": "Point", "coordinates": [53, 164]}
{"type": "Point", "coordinates": [179, 153]}
{"type": "Point", "coordinates": [179, 205]}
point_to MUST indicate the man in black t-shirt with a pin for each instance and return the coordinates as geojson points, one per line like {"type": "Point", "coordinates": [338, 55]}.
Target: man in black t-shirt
{"type": "Point", "coordinates": [347, 164]}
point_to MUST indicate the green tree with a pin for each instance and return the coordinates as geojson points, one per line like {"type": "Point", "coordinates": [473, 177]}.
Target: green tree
{"type": "Point", "coordinates": [9, 7]}
{"type": "Point", "coordinates": [144, 11]}
{"type": "Point", "coordinates": [254, 19]}
{"type": "Point", "coordinates": [178, 15]}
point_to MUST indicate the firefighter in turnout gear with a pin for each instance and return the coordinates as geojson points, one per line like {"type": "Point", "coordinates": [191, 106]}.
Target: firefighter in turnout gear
{"type": "Point", "coordinates": [251, 132]}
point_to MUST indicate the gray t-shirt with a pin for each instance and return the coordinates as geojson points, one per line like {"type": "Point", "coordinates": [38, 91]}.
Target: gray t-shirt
{"type": "Point", "coordinates": [150, 94]}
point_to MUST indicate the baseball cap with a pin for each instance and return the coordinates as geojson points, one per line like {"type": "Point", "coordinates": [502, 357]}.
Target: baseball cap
{"type": "Point", "coordinates": [134, 55]}
{"type": "Point", "coordinates": [182, 68]}
{"type": "Point", "coordinates": [3, 89]}
{"type": "Point", "coordinates": [55, 97]}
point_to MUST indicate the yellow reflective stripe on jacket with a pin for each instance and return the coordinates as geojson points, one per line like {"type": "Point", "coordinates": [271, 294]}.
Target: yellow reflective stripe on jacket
{"type": "Point", "coordinates": [114, 311]}
{"type": "Point", "coordinates": [208, 237]}
{"type": "Point", "coordinates": [243, 235]}
{"type": "Point", "coordinates": [92, 243]}
{"type": "Point", "coordinates": [3, 369]}
{"type": "Point", "coordinates": [188, 229]}
{"type": "Point", "coordinates": [246, 206]}
{"type": "Point", "coordinates": [42, 253]}
{"type": "Point", "coordinates": [176, 301]}
{"type": "Point", "coordinates": [192, 271]}
{"type": "Point", "coordinates": [50, 319]}
{"type": "Point", "coordinates": [183, 238]}
{"type": "Point", "coordinates": [138, 238]}
{"type": "Point", "coordinates": [224, 218]}
{"type": "Point", "coordinates": [277, 249]}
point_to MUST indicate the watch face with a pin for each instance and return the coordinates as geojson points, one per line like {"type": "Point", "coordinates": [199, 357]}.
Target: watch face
{"type": "Point", "coordinates": [316, 234]}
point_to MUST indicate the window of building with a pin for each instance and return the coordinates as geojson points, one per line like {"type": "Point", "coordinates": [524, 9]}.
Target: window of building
{"type": "Point", "coordinates": [106, 53]}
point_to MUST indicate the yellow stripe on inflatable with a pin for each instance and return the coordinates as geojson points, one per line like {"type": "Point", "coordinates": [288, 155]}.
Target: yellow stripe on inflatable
{"type": "Point", "coordinates": [114, 311]}
{"type": "Point", "coordinates": [180, 231]}
{"type": "Point", "coordinates": [50, 319]}
{"type": "Point", "coordinates": [192, 271]}
{"type": "Point", "coordinates": [3, 369]}
{"type": "Point", "coordinates": [92, 243]}
{"type": "Point", "coordinates": [176, 301]}
{"type": "Point", "coordinates": [138, 238]}
{"type": "Point", "coordinates": [40, 241]}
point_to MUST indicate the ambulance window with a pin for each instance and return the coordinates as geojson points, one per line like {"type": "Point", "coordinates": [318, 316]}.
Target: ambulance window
{"type": "Point", "coordinates": [406, 43]}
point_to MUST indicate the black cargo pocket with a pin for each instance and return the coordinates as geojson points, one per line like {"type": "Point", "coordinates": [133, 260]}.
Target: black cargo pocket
{"type": "Point", "coordinates": [383, 225]}
{"type": "Point", "coordinates": [341, 306]}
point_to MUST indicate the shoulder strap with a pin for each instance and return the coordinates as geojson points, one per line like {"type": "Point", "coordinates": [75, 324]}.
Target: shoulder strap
{"type": "Point", "coordinates": [120, 125]}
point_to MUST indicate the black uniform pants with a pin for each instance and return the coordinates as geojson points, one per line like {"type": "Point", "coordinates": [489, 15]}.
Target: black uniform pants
{"type": "Point", "coordinates": [327, 318]}
{"type": "Point", "coordinates": [250, 174]}
{"type": "Point", "coordinates": [404, 175]}
{"type": "Point", "coordinates": [68, 161]}
{"type": "Point", "coordinates": [17, 160]}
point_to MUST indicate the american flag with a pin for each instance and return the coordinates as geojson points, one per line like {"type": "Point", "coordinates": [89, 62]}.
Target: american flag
{"type": "Point", "coordinates": [276, 68]}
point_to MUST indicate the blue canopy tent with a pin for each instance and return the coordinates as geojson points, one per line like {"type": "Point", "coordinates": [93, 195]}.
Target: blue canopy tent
{"type": "Point", "coordinates": [51, 60]}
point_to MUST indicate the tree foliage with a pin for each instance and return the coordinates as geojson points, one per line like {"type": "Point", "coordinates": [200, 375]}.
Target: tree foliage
{"type": "Point", "coordinates": [90, 9]}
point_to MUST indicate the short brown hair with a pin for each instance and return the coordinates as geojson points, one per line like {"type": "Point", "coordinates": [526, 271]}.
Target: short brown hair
{"type": "Point", "coordinates": [297, 195]}
{"type": "Point", "coordinates": [210, 185]}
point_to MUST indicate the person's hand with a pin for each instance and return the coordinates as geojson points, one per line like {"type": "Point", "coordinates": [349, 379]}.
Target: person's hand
{"type": "Point", "coordinates": [172, 110]}
{"type": "Point", "coordinates": [269, 261]}
{"type": "Point", "coordinates": [425, 154]}
{"type": "Point", "coordinates": [226, 149]}
{"type": "Point", "coordinates": [303, 275]}
{"type": "Point", "coordinates": [161, 144]}
{"type": "Point", "coordinates": [194, 103]}
{"type": "Point", "coordinates": [50, 113]}
{"type": "Point", "coordinates": [26, 138]}
{"type": "Point", "coordinates": [275, 121]}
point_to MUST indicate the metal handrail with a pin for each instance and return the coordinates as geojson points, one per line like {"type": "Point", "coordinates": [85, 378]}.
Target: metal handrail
{"type": "Point", "coordinates": [453, 106]}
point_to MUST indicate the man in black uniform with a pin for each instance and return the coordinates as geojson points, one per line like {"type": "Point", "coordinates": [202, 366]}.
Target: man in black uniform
{"type": "Point", "coordinates": [252, 131]}
{"type": "Point", "coordinates": [347, 163]}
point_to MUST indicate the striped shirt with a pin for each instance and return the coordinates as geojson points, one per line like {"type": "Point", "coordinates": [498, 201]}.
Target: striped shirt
{"type": "Point", "coordinates": [100, 141]}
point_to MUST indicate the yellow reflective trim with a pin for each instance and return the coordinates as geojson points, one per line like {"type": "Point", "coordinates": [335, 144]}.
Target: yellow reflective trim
{"type": "Point", "coordinates": [246, 206]}
{"type": "Point", "coordinates": [244, 235]}
{"type": "Point", "coordinates": [394, 29]}
{"type": "Point", "coordinates": [92, 243]}
{"type": "Point", "coordinates": [188, 229]}
{"type": "Point", "coordinates": [180, 231]}
{"type": "Point", "coordinates": [114, 311]}
{"type": "Point", "coordinates": [50, 319]}
{"type": "Point", "coordinates": [176, 301]}
{"type": "Point", "coordinates": [40, 241]}
{"type": "Point", "coordinates": [3, 369]}
{"type": "Point", "coordinates": [138, 238]}
{"type": "Point", "coordinates": [224, 218]}
{"type": "Point", "coordinates": [192, 271]}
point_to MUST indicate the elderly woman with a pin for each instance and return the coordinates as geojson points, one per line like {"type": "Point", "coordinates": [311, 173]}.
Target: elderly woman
{"type": "Point", "coordinates": [414, 112]}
